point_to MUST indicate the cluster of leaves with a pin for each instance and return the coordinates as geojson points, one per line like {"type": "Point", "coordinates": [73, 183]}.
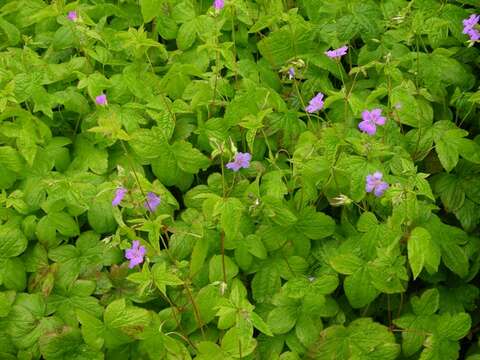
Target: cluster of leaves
{"type": "Point", "coordinates": [289, 258]}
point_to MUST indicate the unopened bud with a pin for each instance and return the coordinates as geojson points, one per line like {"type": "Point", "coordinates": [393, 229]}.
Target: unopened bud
{"type": "Point", "coordinates": [340, 200]}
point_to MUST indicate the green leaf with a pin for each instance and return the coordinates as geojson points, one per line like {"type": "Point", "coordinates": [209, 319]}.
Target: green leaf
{"type": "Point", "coordinates": [273, 185]}
{"type": "Point", "coordinates": [189, 159]}
{"type": "Point", "coordinates": [469, 150]}
{"type": "Point", "coordinates": [208, 350]}
{"type": "Point", "coordinates": [266, 282]}
{"type": "Point", "coordinates": [359, 288]}
{"type": "Point", "coordinates": [448, 139]}
{"type": "Point", "coordinates": [296, 288]}
{"type": "Point", "coordinates": [448, 239]}
{"type": "Point", "coordinates": [64, 38]}
{"type": "Point", "coordinates": [308, 329]}
{"type": "Point", "coordinates": [12, 274]}
{"type": "Point", "coordinates": [128, 319]}
{"type": "Point", "coordinates": [88, 156]}
{"type": "Point", "coordinates": [282, 319]}
{"type": "Point", "coordinates": [415, 112]}
{"type": "Point", "coordinates": [455, 258]}
{"type": "Point", "coordinates": [150, 9]}
{"type": "Point", "coordinates": [187, 33]}
{"type": "Point", "coordinates": [148, 144]}
{"type": "Point", "coordinates": [346, 264]}
{"type": "Point", "coordinates": [64, 344]}
{"type": "Point", "coordinates": [100, 214]}
{"type": "Point", "coordinates": [451, 191]}
{"type": "Point", "coordinates": [324, 284]}
{"type": "Point", "coordinates": [427, 304]}
{"type": "Point", "coordinates": [6, 301]}
{"type": "Point", "coordinates": [416, 330]}
{"type": "Point", "coordinates": [64, 223]}
{"type": "Point", "coordinates": [207, 299]}
{"type": "Point", "coordinates": [440, 349]}
{"type": "Point", "coordinates": [255, 246]}
{"type": "Point", "coordinates": [167, 27]}
{"type": "Point", "coordinates": [11, 32]}
{"type": "Point", "coordinates": [166, 169]}
{"type": "Point", "coordinates": [237, 343]}
{"type": "Point", "coordinates": [288, 42]}
{"type": "Point", "coordinates": [315, 225]}
{"type": "Point", "coordinates": [447, 153]}
{"type": "Point", "coordinates": [199, 254]}
{"type": "Point", "coordinates": [439, 69]}
{"type": "Point", "coordinates": [12, 241]}
{"type": "Point", "coordinates": [363, 339]}
{"type": "Point", "coordinates": [259, 324]}
{"type": "Point", "coordinates": [388, 272]}
{"type": "Point", "coordinates": [162, 277]}
{"type": "Point", "coordinates": [216, 268]}
{"type": "Point", "coordinates": [454, 327]}
{"type": "Point", "coordinates": [366, 221]}
{"type": "Point", "coordinates": [278, 211]}
{"type": "Point", "coordinates": [230, 218]}
{"type": "Point", "coordinates": [418, 245]}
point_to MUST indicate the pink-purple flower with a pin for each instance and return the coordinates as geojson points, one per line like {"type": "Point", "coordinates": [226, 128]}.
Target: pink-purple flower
{"type": "Point", "coordinates": [315, 104]}
{"type": "Point", "coordinates": [135, 254]}
{"type": "Point", "coordinates": [469, 25]}
{"type": "Point", "coordinates": [101, 100]}
{"type": "Point", "coordinates": [242, 160]}
{"type": "Point", "coordinates": [219, 4]}
{"type": "Point", "coordinates": [119, 195]}
{"type": "Point", "coordinates": [72, 16]}
{"type": "Point", "coordinates": [337, 53]}
{"type": "Point", "coordinates": [291, 73]}
{"type": "Point", "coordinates": [153, 200]}
{"type": "Point", "coordinates": [375, 184]}
{"type": "Point", "coordinates": [370, 121]}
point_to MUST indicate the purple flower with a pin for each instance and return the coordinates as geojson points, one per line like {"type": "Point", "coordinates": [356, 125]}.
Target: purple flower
{"type": "Point", "coordinates": [219, 4]}
{"type": "Point", "coordinates": [72, 16]}
{"type": "Point", "coordinates": [315, 104]}
{"type": "Point", "coordinates": [119, 194]}
{"type": "Point", "coordinates": [291, 73]}
{"type": "Point", "coordinates": [337, 53]}
{"type": "Point", "coordinates": [469, 27]}
{"type": "Point", "coordinates": [153, 200]}
{"type": "Point", "coordinates": [370, 121]}
{"type": "Point", "coordinates": [471, 21]}
{"type": "Point", "coordinates": [101, 99]}
{"type": "Point", "coordinates": [374, 183]}
{"type": "Point", "coordinates": [474, 34]}
{"type": "Point", "coordinates": [242, 160]}
{"type": "Point", "coordinates": [135, 254]}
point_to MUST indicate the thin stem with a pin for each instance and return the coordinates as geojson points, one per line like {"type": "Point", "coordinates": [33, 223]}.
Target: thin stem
{"type": "Point", "coordinates": [179, 324]}
{"type": "Point", "coordinates": [217, 61]}
{"type": "Point", "coordinates": [234, 45]}
{"type": "Point", "coordinates": [389, 310]}
{"type": "Point", "coordinates": [195, 310]}
{"type": "Point", "coordinates": [135, 174]}
{"type": "Point", "coordinates": [223, 173]}
{"type": "Point", "coordinates": [295, 85]}
{"type": "Point", "coordinates": [222, 251]}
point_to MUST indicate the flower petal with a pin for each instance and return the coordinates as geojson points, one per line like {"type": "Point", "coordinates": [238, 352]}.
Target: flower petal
{"type": "Point", "coordinates": [377, 175]}
{"type": "Point", "coordinates": [380, 189]}
{"type": "Point", "coordinates": [367, 127]}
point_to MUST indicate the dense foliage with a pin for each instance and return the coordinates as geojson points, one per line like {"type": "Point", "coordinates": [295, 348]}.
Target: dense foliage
{"type": "Point", "coordinates": [197, 179]}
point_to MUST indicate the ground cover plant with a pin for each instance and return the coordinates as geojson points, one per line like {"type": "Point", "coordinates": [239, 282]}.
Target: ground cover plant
{"type": "Point", "coordinates": [239, 179]}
